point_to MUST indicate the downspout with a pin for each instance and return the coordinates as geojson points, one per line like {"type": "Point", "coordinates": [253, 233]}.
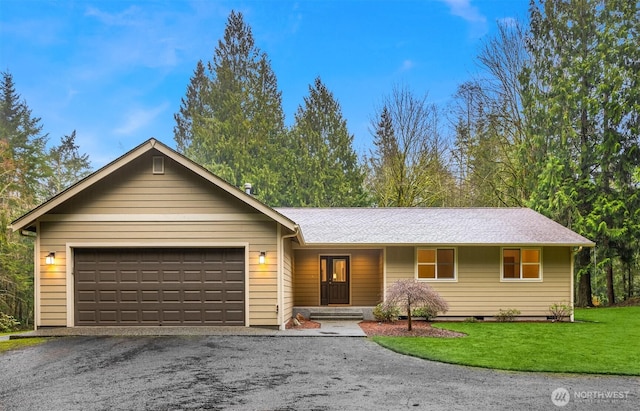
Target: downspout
{"type": "Point", "coordinates": [573, 274]}
{"type": "Point", "coordinates": [281, 275]}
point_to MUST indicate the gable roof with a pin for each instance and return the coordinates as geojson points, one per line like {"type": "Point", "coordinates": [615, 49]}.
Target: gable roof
{"type": "Point", "coordinates": [27, 220]}
{"type": "Point", "coordinates": [438, 226]}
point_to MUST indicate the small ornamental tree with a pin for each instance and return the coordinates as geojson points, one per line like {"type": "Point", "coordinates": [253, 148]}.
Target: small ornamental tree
{"type": "Point", "coordinates": [410, 294]}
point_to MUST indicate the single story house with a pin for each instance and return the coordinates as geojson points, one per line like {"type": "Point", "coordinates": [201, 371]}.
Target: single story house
{"type": "Point", "coordinates": [155, 239]}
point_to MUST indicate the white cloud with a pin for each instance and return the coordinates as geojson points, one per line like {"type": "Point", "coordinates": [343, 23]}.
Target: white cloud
{"type": "Point", "coordinates": [469, 13]}
{"type": "Point", "coordinates": [139, 118]}
{"type": "Point", "coordinates": [407, 65]}
{"type": "Point", "coordinates": [126, 18]}
{"type": "Point", "coordinates": [464, 9]}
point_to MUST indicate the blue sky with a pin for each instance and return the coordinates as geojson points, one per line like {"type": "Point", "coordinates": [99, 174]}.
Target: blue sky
{"type": "Point", "coordinates": [115, 71]}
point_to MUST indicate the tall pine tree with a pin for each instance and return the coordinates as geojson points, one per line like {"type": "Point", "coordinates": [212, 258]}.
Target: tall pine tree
{"type": "Point", "coordinates": [582, 107]}
{"type": "Point", "coordinates": [327, 172]}
{"type": "Point", "coordinates": [67, 165]}
{"type": "Point", "coordinates": [231, 120]}
{"type": "Point", "coordinates": [23, 169]}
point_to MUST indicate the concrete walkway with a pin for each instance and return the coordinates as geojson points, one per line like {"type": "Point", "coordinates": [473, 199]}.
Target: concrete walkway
{"type": "Point", "coordinates": [327, 329]}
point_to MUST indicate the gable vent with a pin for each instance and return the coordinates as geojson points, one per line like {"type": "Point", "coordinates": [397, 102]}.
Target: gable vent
{"type": "Point", "coordinates": [158, 165]}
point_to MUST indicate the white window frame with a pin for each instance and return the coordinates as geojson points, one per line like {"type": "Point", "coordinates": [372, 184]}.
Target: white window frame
{"type": "Point", "coordinates": [521, 279]}
{"type": "Point", "coordinates": [436, 279]}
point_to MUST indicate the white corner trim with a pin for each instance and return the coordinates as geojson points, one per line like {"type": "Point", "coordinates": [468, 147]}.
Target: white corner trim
{"type": "Point", "coordinates": [71, 292]}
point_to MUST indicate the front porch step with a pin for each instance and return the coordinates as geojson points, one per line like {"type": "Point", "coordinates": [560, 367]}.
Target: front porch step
{"type": "Point", "coordinates": [335, 313]}
{"type": "Point", "coordinates": [336, 316]}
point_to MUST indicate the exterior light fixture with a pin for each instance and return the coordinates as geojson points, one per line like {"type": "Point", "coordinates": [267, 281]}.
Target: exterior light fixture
{"type": "Point", "coordinates": [262, 258]}
{"type": "Point", "coordinates": [50, 259]}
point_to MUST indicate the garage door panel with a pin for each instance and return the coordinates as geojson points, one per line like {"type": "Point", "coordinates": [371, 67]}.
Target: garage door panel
{"type": "Point", "coordinates": [86, 296]}
{"type": "Point", "coordinates": [159, 286]}
{"type": "Point", "coordinates": [129, 295]}
{"type": "Point", "coordinates": [107, 296]}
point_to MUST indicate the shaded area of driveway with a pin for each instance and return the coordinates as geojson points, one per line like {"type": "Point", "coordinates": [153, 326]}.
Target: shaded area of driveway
{"type": "Point", "coordinates": [270, 373]}
{"type": "Point", "coordinates": [328, 328]}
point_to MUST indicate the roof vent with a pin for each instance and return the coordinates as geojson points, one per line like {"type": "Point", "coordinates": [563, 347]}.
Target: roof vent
{"type": "Point", "coordinates": [158, 165]}
{"type": "Point", "coordinates": [247, 188]}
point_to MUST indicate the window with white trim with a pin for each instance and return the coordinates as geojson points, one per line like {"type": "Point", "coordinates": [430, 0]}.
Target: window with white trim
{"type": "Point", "coordinates": [521, 264]}
{"type": "Point", "coordinates": [436, 263]}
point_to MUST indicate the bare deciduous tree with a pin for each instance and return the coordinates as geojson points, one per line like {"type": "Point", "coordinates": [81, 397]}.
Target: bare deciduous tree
{"type": "Point", "coordinates": [409, 294]}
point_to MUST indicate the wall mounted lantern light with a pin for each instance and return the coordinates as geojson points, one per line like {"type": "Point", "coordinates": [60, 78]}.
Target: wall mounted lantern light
{"type": "Point", "coordinates": [262, 258]}
{"type": "Point", "coordinates": [50, 259]}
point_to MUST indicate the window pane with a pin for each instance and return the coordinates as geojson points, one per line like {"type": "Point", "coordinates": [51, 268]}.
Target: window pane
{"type": "Point", "coordinates": [323, 270]}
{"type": "Point", "coordinates": [511, 256]}
{"type": "Point", "coordinates": [511, 263]}
{"type": "Point", "coordinates": [530, 256]}
{"type": "Point", "coordinates": [511, 271]}
{"type": "Point", "coordinates": [445, 270]}
{"type": "Point", "coordinates": [445, 256]}
{"type": "Point", "coordinates": [531, 271]}
{"type": "Point", "coordinates": [426, 271]}
{"type": "Point", "coordinates": [339, 271]}
{"type": "Point", "coordinates": [426, 256]}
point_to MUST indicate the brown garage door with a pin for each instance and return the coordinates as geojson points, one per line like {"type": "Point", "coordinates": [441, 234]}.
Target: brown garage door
{"type": "Point", "coordinates": [159, 286]}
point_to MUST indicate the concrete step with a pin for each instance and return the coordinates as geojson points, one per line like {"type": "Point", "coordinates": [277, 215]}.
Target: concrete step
{"type": "Point", "coordinates": [336, 315]}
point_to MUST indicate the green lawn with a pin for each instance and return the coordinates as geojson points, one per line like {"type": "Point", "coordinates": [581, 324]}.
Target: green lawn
{"type": "Point", "coordinates": [20, 343]}
{"type": "Point", "coordinates": [602, 341]}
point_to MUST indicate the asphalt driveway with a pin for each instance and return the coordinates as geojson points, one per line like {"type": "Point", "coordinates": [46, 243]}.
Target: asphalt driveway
{"type": "Point", "coordinates": [275, 373]}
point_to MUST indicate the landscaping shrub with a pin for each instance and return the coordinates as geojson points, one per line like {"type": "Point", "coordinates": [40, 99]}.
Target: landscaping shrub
{"type": "Point", "coordinates": [560, 311]}
{"type": "Point", "coordinates": [8, 323]}
{"type": "Point", "coordinates": [507, 315]}
{"type": "Point", "coordinates": [425, 313]}
{"type": "Point", "coordinates": [386, 312]}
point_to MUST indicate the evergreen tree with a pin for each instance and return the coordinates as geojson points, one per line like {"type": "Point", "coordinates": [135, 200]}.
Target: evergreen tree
{"type": "Point", "coordinates": [582, 105]}
{"type": "Point", "coordinates": [22, 172]}
{"type": "Point", "coordinates": [192, 106]}
{"type": "Point", "coordinates": [21, 184]}
{"type": "Point", "coordinates": [327, 172]}
{"type": "Point", "coordinates": [231, 120]}
{"type": "Point", "coordinates": [67, 164]}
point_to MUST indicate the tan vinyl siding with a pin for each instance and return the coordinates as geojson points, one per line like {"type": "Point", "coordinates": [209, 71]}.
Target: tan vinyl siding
{"type": "Point", "coordinates": [135, 190]}
{"type": "Point", "coordinates": [479, 290]}
{"type": "Point", "coordinates": [287, 279]}
{"type": "Point", "coordinates": [365, 281]}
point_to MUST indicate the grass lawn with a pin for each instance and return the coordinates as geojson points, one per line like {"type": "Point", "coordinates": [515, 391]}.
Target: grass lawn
{"type": "Point", "coordinates": [603, 341]}
{"type": "Point", "coordinates": [20, 343]}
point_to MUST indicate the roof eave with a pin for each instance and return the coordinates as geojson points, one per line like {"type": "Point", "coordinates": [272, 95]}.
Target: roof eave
{"type": "Point", "coordinates": [588, 244]}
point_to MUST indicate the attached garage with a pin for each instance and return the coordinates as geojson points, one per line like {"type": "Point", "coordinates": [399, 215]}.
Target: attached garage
{"type": "Point", "coordinates": [159, 286]}
{"type": "Point", "coordinates": [153, 239]}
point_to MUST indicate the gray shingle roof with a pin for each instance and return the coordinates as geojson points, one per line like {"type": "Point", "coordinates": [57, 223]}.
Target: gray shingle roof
{"type": "Point", "coordinates": [451, 226]}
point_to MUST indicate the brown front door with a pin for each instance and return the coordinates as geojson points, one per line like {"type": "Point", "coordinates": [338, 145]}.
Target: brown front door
{"type": "Point", "coordinates": [334, 280]}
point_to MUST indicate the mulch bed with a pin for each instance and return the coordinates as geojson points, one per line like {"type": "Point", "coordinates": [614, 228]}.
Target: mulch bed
{"type": "Point", "coordinates": [304, 325]}
{"type": "Point", "coordinates": [399, 329]}
{"type": "Point", "coordinates": [389, 329]}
